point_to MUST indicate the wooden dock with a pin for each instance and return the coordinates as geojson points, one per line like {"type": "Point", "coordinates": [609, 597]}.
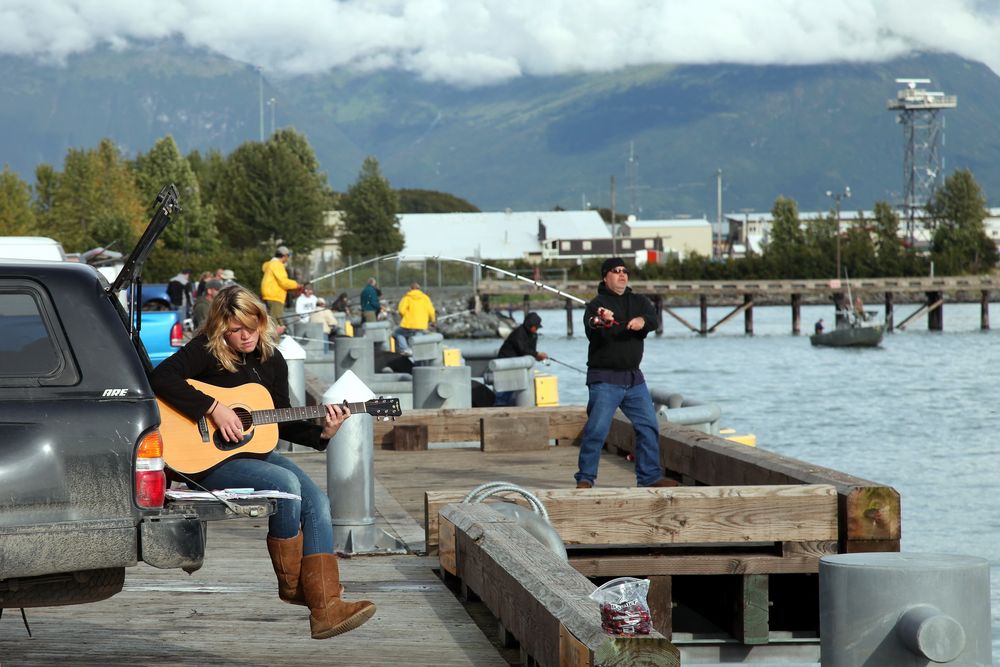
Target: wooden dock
{"type": "Point", "coordinates": [930, 294]}
{"type": "Point", "coordinates": [228, 612]}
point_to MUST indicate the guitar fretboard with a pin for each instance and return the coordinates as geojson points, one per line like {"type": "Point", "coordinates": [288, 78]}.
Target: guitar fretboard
{"type": "Point", "coordinates": [278, 415]}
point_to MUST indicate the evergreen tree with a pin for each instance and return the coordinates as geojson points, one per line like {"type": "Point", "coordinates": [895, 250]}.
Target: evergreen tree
{"type": "Point", "coordinates": [16, 215]}
{"type": "Point", "coordinates": [272, 192]}
{"type": "Point", "coordinates": [192, 231]}
{"type": "Point", "coordinates": [786, 247]}
{"type": "Point", "coordinates": [371, 227]}
{"type": "Point", "coordinates": [960, 244]}
{"type": "Point", "coordinates": [888, 247]}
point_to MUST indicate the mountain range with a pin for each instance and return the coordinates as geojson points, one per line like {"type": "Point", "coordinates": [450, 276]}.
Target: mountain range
{"type": "Point", "coordinates": [533, 143]}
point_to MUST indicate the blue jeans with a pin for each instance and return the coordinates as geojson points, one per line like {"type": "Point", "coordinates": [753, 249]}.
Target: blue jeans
{"type": "Point", "coordinates": [403, 335]}
{"type": "Point", "coordinates": [638, 407]}
{"type": "Point", "coordinates": [276, 472]}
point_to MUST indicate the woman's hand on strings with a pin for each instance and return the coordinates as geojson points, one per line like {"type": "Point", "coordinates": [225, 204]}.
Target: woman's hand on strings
{"type": "Point", "coordinates": [227, 422]}
{"type": "Point", "coordinates": [335, 416]}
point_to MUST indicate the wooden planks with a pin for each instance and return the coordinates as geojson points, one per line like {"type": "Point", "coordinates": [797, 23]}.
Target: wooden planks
{"type": "Point", "coordinates": [868, 512]}
{"type": "Point", "coordinates": [502, 433]}
{"type": "Point", "coordinates": [678, 515]}
{"type": "Point", "coordinates": [537, 597]}
{"type": "Point", "coordinates": [463, 425]}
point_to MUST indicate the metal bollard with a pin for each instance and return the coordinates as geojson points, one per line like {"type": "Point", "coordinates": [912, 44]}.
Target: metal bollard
{"type": "Point", "coordinates": [436, 387]}
{"type": "Point", "coordinates": [378, 332]}
{"type": "Point", "coordinates": [354, 354]}
{"type": "Point", "coordinates": [904, 610]}
{"type": "Point", "coordinates": [514, 374]}
{"type": "Point", "coordinates": [350, 475]}
{"type": "Point", "coordinates": [426, 349]}
{"type": "Point", "coordinates": [398, 385]}
{"type": "Point", "coordinates": [295, 358]}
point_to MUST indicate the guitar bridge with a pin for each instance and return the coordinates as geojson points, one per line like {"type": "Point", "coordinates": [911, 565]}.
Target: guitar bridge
{"type": "Point", "coordinates": [203, 428]}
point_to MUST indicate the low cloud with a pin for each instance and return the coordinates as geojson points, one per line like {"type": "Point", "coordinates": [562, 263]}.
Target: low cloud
{"type": "Point", "coordinates": [479, 42]}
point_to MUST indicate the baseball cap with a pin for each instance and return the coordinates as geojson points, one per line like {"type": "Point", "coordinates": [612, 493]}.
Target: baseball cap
{"type": "Point", "coordinates": [282, 250]}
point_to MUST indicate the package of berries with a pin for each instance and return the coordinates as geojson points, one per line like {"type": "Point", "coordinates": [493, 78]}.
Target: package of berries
{"type": "Point", "coordinates": [624, 610]}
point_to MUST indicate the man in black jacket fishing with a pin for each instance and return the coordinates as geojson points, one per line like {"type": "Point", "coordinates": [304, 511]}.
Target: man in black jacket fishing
{"type": "Point", "coordinates": [522, 342]}
{"type": "Point", "coordinates": [617, 322]}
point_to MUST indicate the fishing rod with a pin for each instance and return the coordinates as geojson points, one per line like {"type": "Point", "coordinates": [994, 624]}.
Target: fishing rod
{"type": "Point", "coordinates": [398, 257]}
{"type": "Point", "coordinates": [563, 363]}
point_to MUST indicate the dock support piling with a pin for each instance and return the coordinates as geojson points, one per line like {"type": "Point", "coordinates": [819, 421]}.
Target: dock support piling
{"type": "Point", "coordinates": [935, 316]}
{"type": "Point", "coordinates": [748, 314]}
{"type": "Point", "coordinates": [526, 304]}
{"type": "Point", "coordinates": [889, 324]}
{"type": "Point", "coordinates": [984, 310]}
{"type": "Point", "coordinates": [569, 318]}
{"type": "Point", "coordinates": [796, 314]}
{"type": "Point", "coordinates": [841, 306]}
{"type": "Point", "coordinates": [703, 307]}
{"type": "Point", "coordinates": [658, 305]}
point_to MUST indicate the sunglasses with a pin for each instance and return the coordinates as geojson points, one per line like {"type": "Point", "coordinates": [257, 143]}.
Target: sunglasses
{"type": "Point", "coordinates": [619, 270]}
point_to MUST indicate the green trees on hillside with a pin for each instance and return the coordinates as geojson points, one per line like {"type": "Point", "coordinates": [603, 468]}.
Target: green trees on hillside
{"type": "Point", "coordinates": [193, 230]}
{"type": "Point", "coordinates": [270, 193]}
{"type": "Point", "coordinates": [960, 243]}
{"type": "Point", "coordinates": [371, 227]}
{"type": "Point", "coordinates": [93, 202]}
{"type": "Point", "coordinates": [16, 215]}
{"type": "Point", "coordinates": [432, 201]}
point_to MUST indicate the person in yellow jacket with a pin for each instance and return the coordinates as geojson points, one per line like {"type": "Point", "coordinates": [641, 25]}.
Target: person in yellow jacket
{"type": "Point", "coordinates": [416, 314]}
{"type": "Point", "coordinates": [275, 284]}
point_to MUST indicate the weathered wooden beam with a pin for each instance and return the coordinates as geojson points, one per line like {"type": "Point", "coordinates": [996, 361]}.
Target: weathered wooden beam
{"type": "Point", "coordinates": [539, 598]}
{"type": "Point", "coordinates": [661, 562]}
{"type": "Point", "coordinates": [868, 512]}
{"type": "Point", "coordinates": [752, 626]}
{"type": "Point", "coordinates": [502, 433]}
{"type": "Point", "coordinates": [675, 515]}
{"type": "Point", "coordinates": [463, 425]}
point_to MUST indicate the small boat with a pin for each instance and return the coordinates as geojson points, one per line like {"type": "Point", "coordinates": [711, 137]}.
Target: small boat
{"type": "Point", "coordinates": [855, 333]}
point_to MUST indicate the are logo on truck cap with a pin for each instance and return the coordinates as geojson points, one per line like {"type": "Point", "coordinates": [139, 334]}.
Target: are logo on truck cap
{"type": "Point", "coordinates": [114, 392]}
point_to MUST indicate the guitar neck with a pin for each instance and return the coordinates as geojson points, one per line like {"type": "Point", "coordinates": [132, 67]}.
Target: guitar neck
{"type": "Point", "coordinates": [279, 415]}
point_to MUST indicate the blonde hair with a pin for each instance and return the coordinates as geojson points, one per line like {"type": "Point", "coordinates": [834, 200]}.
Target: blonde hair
{"type": "Point", "coordinates": [237, 304]}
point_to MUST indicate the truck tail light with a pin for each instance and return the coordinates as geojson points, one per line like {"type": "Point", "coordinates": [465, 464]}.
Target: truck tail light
{"type": "Point", "coordinates": [150, 480]}
{"type": "Point", "coordinates": [176, 335]}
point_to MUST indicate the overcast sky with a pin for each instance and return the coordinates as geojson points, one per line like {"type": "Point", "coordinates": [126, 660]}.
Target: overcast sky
{"type": "Point", "coordinates": [476, 42]}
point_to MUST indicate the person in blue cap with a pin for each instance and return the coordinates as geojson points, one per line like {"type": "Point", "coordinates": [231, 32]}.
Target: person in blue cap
{"type": "Point", "coordinates": [617, 322]}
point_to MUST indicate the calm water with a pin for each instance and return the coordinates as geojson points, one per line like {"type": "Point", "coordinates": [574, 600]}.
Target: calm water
{"type": "Point", "coordinates": [918, 414]}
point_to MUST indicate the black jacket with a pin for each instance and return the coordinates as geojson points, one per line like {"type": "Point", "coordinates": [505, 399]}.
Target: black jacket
{"type": "Point", "coordinates": [519, 343]}
{"type": "Point", "coordinates": [194, 361]}
{"type": "Point", "coordinates": [615, 347]}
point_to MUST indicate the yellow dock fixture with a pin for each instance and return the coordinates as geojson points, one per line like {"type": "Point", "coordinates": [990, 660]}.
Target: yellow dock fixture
{"type": "Point", "coordinates": [546, 390]}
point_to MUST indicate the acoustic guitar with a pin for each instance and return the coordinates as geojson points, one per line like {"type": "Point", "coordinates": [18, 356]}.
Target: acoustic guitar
{"type": "Point", "coordinates": [195, 446]}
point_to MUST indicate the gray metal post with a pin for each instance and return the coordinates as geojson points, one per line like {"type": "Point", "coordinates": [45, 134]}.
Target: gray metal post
{"type": "Point", "coordinates": [437, 387]}
{"type": "Point", "coordinates": [904, 610]}
{"type": "Point", "coordinates": [354, 354]}
{"type": "Point", "coordinates": [295, 359]}
{"type": "Point", "coordinates": [350, 475]}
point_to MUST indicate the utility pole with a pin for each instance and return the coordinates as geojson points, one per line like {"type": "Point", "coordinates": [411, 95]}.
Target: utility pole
{"type": "Point", "coordinates": [260, 94]}
{"type": "Point", "coordinates": [272, 103]}
{"type": "Point", "coordinates": [717, 237]}
{"type": "Point", "coordinates": [614, 234]}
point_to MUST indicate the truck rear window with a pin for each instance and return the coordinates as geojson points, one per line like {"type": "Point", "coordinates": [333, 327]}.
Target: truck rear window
{"type": "Point", "coordinates": [26, 344]}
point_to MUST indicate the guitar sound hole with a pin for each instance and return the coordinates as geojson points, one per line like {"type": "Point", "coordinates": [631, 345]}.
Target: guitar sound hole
{"type": "Point", "coordinates": [224, 445]}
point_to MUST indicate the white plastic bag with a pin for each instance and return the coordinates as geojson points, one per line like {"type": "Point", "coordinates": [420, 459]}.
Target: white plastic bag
{"type": "Point", "coordinates": [624, 610]}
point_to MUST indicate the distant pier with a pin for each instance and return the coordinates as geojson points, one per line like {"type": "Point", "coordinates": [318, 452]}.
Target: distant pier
{"type": "Point", "coordinates": [929, 295]}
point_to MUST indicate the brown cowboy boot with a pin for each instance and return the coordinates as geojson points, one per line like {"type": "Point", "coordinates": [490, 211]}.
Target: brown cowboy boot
{"type": "Point", "coordinates": [328, 614]}
{"type": "Point", "coordinates": [286, 557]}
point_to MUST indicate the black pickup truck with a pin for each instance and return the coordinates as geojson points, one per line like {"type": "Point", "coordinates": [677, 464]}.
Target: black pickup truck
{"type": "Point", "coordinates": [82, 482]}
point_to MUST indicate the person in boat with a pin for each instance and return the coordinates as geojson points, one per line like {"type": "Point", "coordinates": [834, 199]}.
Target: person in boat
{"type": "Point", "coordinates": [859, 309]}
{"type": "Point", "coordinates": [617, 322]}
{"type": "Point", "coordinates": [819, 326]}
{"type": "Point", "coordinates": [236, 347]}
{"type": "Point", "coordinates": [522, 342]}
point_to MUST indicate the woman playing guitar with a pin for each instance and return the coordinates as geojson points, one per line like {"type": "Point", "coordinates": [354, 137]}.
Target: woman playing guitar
{"type": "Point", "coordinates": [235, 347]}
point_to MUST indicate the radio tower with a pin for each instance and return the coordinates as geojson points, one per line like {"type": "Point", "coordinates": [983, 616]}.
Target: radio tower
{"type": "Point", "coordinates": [923, 136]}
